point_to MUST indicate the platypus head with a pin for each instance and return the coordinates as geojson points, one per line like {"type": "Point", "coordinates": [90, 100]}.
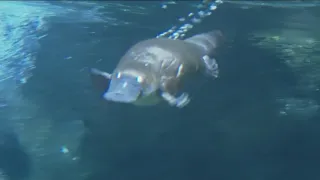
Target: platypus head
{"type": "Point", "coordinates": [128, 86]}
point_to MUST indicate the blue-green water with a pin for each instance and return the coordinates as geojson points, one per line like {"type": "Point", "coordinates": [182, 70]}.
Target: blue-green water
{"type": "Point", "coordinates": [258, 120]}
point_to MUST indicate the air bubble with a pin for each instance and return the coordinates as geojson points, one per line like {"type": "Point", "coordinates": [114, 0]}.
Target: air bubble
{"type": "Point", "coordinates": [196, 20]}
{"type": "Point", "coordinates": [164, 6]}
{"type": "Point", "coordinates": [213, 7]}
{"type": "Point", "coordinates": [202, 14]}
{"type": "Point", "coordinates": [192, 18]}
{"type": "Point", "coordinates": [190, 14]}
{"type": "Point", "coordinates": [182, 19]}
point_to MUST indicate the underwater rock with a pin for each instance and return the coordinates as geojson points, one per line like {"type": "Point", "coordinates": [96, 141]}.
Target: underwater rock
{"type": "Point", "coordinates": [298, 107]}
{"type": "Point", "coordinates": [297, 42]}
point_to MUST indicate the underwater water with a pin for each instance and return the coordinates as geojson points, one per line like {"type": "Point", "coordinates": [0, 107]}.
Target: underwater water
{"type": "Point", "coordinates": [258, 120]}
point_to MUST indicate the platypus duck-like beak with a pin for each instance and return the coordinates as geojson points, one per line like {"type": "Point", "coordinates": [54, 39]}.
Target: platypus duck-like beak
{"type": "Point", "coordinates": [123, 89]}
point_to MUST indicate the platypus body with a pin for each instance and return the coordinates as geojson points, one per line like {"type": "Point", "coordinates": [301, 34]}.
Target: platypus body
{"type": "Point", "coordinates": [154, 70]}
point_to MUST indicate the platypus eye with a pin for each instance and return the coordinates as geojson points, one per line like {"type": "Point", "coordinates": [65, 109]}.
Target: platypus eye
{"type": "Point", "coordinates": [139, 79]}
{"type": "Point", "coordinates": [118, 75]}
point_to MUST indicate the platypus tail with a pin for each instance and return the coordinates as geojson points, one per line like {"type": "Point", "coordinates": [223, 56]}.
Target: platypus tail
{"type": "Point", "coordinates": [208, 42]}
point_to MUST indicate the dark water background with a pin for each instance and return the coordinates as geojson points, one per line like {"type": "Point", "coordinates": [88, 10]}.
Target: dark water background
{"type": "Point", "coordinates": [231, 129]}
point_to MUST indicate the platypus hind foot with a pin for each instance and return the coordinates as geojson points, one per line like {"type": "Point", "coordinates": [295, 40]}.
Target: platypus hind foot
{"type": "Point", "coordinates": [179, 102]}
{"type": "Point", "coordinates": [211, 66]}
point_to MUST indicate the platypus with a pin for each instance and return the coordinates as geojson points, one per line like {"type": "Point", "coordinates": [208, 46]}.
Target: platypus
{"type": "Point", "coordinates": [154, 70]}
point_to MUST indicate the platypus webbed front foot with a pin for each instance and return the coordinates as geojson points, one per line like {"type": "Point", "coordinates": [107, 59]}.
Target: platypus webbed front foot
{"type": "Point", "coordinates": [179, 102]}
{"type": "Point", "coordinates": [211, 66]}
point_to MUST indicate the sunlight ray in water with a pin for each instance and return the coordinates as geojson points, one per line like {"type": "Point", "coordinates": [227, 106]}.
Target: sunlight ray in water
{"type": "Point", "coordinates": [23, 23]}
